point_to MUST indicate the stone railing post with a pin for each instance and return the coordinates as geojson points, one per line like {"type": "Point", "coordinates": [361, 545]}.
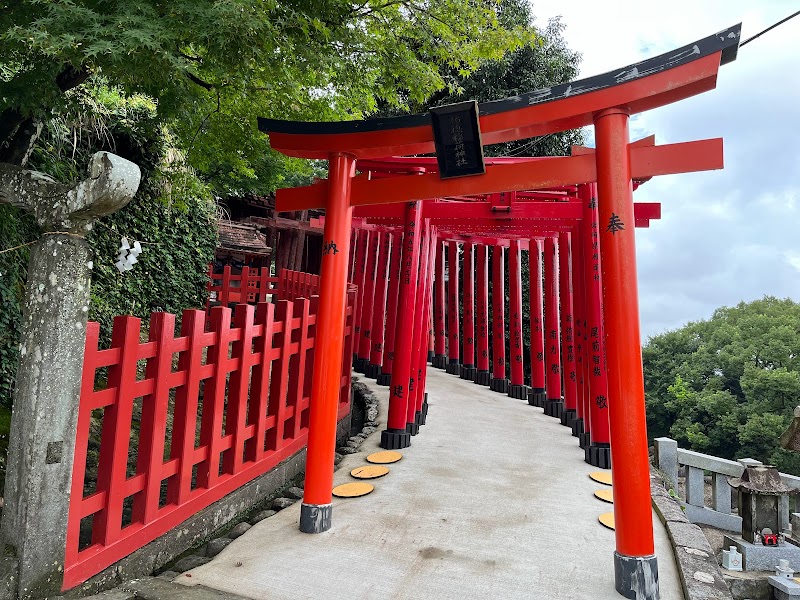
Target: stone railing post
{"type": "Point", "coordinates": [666, 455]}
{"type": "Point", "coordinates": [53, 336]}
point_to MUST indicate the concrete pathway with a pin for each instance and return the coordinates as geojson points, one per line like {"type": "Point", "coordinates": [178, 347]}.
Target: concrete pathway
{"type": "Point", "coordinates": [492, 500]}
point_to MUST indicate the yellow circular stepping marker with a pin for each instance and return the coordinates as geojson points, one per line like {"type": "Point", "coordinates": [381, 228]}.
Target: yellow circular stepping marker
{"type": "Point", "coordinates": [601, 477]}
{"type": "Point", "coordinates": [607, 520]}
{"type": "Point", "coordinates": [384, 458]}
{"type": "Point", "coordinates": [369, 472]}
{"type": "Point", "coordinates": [605, 495]}
{"type": "Point", "coordinates": [353, 490]}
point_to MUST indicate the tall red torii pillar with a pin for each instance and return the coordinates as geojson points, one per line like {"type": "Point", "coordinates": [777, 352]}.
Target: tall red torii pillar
{"type": "Point", "coordinates": [605, 101]}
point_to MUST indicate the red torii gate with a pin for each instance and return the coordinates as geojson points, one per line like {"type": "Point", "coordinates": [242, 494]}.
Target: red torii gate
{"type": "Point", "coordinates": [605, 101]}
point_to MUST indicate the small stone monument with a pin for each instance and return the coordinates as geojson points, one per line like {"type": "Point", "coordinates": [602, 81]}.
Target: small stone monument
{"type": "Point", "coordinates": [760, 490]}
{"type": "Point", "coordinates": [731, 559]}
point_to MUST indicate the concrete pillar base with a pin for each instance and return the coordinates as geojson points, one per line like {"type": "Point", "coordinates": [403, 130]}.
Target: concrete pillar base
{"type": "Point", "coordinates": [372, 371]}
{"type": "Point", "coordinates": [412, 428]}
{"type": "Point", "coordinates": [439, 361]}
{"type": "Point", "coordinates": [430, 356]}
{"type": "Point", "coordinates": [568, 415]}
{"type": "Point", "coordinates": [499, 385]}
{"type": "Point", "coordinates": [584, 439]}
{"type": "Point", "coordinates": [483, 378]}
{"type": "Point", "coordinates": [315, 518]}
{"type": "Point", "coordinates": [636, 577]}
{"type": "Point", "coordinates": [454, 366]}
{"type": "Point", "coordinates": [468, 372]}
{"type": "Point", "coordinates": [598, 455]}
{"type": "Point", "coordinates": [395, 439]}
{"type": "Point", "coordinates": [520, 392]}
{"type": "Point", "coordinates": [537, 397]}
{"type": "Point", "coordinates": [360, 365]}
{"type": "Point", "coordinates": [553, 408]}
{"type": "Point", "coordinates": [577, 427]}
{"type": "Point", "coordinates": [385, 379]}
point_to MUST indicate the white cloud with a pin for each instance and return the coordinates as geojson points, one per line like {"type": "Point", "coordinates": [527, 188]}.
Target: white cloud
{"type": "Point", "coordinates": [726, 236]}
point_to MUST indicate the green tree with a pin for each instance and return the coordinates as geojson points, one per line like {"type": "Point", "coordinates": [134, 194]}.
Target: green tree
{"type": "Point", "coordinates": [728, 386]}
{"type": "Point", "coordinates": [214, 65]}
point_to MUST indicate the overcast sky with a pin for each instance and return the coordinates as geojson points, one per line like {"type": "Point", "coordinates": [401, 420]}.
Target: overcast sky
{"type": "Point", "coordinates": [725, 236]}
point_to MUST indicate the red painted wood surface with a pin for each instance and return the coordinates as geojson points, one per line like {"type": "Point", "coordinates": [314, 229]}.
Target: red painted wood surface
{"type": "Point", "coordinates": [570, 378]}
{"type": "Point", "coordinates": [453, 303]}
{"type": "Point", "coordinates": [391, 304]}
{"type": "Point", "coordinates": [439, 310]}
{"type": "Point", "coordinates": [468, 303]}
{"type": "Point", "coordinates": [536, 315]}
{"type": "Point", "coordinates": [379, 301]}
{"type": "Point", "coordinates": [498, 313]}
{"type": "Point", "coordinates": [516, 361]}
{"type": "Point", "coordinates": [551, 324]}
{"type": "Point", "coordinates": [225, 288]}
{"type": "Point", "coordinates": [236, 384]}
{"type": "Point", "coordinates": [483, 308]}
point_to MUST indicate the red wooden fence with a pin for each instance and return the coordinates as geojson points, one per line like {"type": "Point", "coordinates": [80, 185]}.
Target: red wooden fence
{"type": "Point", "coordinates": [225, 288]}
{"type": "Point", "coordinates": [201, 434]}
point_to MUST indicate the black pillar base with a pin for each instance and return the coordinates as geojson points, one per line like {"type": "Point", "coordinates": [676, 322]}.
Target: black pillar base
{"type": "Point", "coordinates": [577, 427]}
{"type": "Point", "coordinates": [315, 518]}
{"type": "Point", "coordinates": [395, 439]}
{"type": "Point", "coordinates": [468, 372]}
{"type": "Point", "coordinates": [537, 397]}
{"type": "Point", "coordinates": [361, 364]}
{"type": "Point", "coordinates": [636, 577]}
{"type": "Point", "coordinates": [483, 378]}
{"type": "Point", "coordinates": [372, 371]}
{"type": "Point", "coordinates": [520, 392]}
{"type": "Point", "coordinates": [424, 413]}
{"type": "Point", "coordinates": [568, 415]}
{"type": "Point", "coordinates": [430, 356]}
{"type": "Point", "coordinates": [499, 385]}
{"type": "Point", "coordinates": [598, 455]}
{"type": "Point", "coordinates": [454, 366]}
{"type": "Point", "coordinates": [553, 408]}
{"type": "Point", "coordinates": [584, 439]}
{"type": "Point", "coordinates": [439, 361]}
{"type": "Point", "coordinates": [412, 428]}
{"type": "Point", "coordinates": [385, 379]}
{"type": "Point", "coordinates": [418, 419]}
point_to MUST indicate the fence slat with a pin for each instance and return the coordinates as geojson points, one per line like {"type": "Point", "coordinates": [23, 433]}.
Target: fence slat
{"type": "Point", "coordinates": [280, 376]}
{"type": "Point", "coordinates": [239, 387]}
{"type": "Point", "coordinates": [116, 431]}
{"type": "Point", "coordinates": [297, 373]}
{"type": "Point", "coordinates": [259, 389]}
{"type": "Point", "coordinates": [154, 418]}
{"type": "Point", "coordinates": [186, 402]}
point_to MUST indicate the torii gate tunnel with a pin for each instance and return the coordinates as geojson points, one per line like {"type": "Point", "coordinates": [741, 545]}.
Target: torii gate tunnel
{"type": "Point", "coordinates": [574, 214]}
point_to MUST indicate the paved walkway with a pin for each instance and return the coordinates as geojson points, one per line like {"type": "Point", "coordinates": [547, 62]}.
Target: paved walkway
{"type": "Point", "coordinates": [492, 500]}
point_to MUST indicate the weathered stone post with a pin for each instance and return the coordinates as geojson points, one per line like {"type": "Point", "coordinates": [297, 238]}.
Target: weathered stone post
{"type": "Point", "coordinates": [47, 393]}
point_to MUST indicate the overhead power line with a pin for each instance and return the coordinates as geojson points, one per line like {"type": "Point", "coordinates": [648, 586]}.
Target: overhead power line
{"type": "Point", "coordinates": [759, 34]}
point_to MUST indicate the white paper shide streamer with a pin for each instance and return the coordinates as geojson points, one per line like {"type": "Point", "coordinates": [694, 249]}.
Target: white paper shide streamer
{"type": "Point", "coordinates": [128, 255]}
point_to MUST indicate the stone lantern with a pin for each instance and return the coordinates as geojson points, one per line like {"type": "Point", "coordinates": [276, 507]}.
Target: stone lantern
{"type": "Point", "coordinates": [760, 489]}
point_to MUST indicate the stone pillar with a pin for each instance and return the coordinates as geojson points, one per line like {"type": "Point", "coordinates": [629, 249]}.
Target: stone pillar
{"type": "Point", "coordinates": [47, 391]}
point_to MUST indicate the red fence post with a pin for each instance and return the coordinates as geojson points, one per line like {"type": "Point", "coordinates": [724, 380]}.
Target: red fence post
{"type": "Point", "coordinates": [453, 303]}
{"type": "Point", "coordinates": [468, 302]}
{"type": "Point", "coordinates": [499, 382]}
{"type": "Point", "coordinates": [360, 278]}
{"type": "Point", "coordinates": [537, 395]}
{"type": "Point", "coordinates": [517, 388]}
{"type": "Point", "coordinates": [482, 375]}
{"type": "Point", "coordinates": [367, 299]}
{"type": "Point", "coordinates": [315, 513]}
{"type": "Point", "coordinates": [635, 564]}
{"type": "Point", "coordinates": [385, 378]}
{"type": "Point", "coordinates": [568, 362]}
{"type": "Point", "coordinates": [554, 404]}
{"type": "Point", "coordinates": [379, 307]}
{"type": "Point", "coordinates": [439, 310]}
{"type": "Point", "coordinates": [419, 343]}
{"type": "Point", "coordinates": [395, 435]}
{"type": "Point", "coordinates": [596, 441]}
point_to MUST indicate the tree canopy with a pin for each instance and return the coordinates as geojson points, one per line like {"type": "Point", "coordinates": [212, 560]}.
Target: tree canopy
{"type": "Point", "coordinates": [728, 386]}
{"type": "Point", "coordinates": [214, 65]}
